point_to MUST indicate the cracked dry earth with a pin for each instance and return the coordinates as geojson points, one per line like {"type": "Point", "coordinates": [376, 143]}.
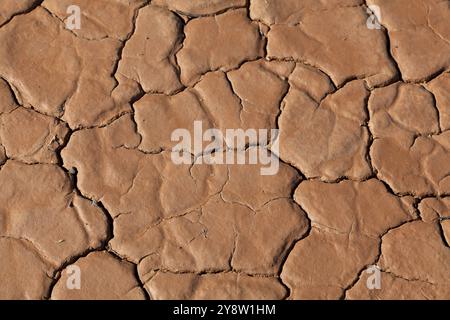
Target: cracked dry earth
{"type": "Point", "coordinates": [86, 176]}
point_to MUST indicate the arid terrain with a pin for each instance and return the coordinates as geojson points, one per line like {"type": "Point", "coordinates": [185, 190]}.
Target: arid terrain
{"type": "Point", "coordinates": [354, 98]}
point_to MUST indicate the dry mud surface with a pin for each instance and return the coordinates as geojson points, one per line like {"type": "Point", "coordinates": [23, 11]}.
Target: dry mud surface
{"type": "Point", "coordinates": [87, 180]}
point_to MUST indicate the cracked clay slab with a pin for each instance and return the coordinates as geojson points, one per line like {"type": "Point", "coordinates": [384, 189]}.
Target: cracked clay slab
{"type": "Point", "coordinates": [224, 149]}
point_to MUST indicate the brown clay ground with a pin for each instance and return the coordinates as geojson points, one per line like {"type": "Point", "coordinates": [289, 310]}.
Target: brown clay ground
{"type": "Point", "coordinates": [86, 177]}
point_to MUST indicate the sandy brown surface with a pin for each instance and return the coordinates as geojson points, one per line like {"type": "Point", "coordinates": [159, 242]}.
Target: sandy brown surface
{"type": "Point", "coordinates": [87, 180]}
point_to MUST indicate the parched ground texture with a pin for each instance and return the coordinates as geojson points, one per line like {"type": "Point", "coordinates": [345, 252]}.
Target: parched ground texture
{"type": "Point", "coordinates": [86, 176]}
